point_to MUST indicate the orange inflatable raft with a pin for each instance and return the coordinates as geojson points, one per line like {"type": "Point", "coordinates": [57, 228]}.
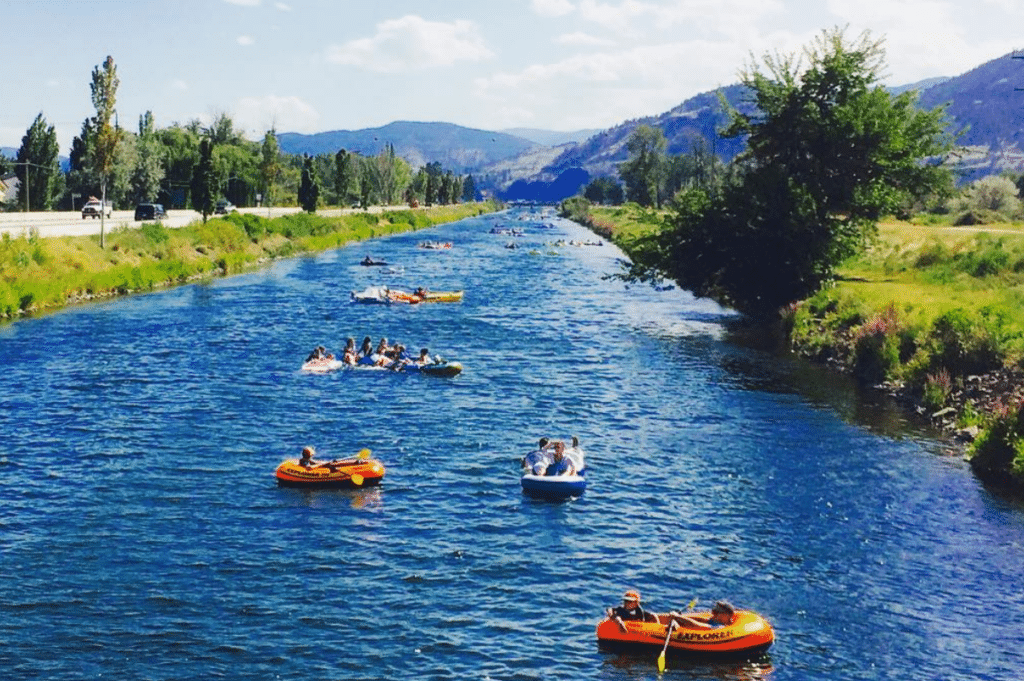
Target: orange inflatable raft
{"type": "Point", "coordinates": [749, 634]}
{"type": "Point", "coordinates": [344, 473]}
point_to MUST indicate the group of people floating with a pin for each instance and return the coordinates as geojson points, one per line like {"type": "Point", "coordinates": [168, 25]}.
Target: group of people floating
{"type": "Point", "coordinates": [722, 614]}
{"type": "Point", "coordinates": [551, 458]}
{"type": "Point", "coordinates": [384, 354]}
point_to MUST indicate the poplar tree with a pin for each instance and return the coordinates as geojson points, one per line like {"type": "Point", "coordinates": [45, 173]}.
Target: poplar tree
{"type": "Point", "coordinates": [148, 171]}
{"type": "Point", "coordinates": [343, 176]}
{"type": "Point", "coordinates": [270, 166]}
{"type": "Point", "coordinates": [104, 150]}
{"type": "Point", "coordinates": [309, 190]}
{"type": "Point", "coordinates": [204, 180]}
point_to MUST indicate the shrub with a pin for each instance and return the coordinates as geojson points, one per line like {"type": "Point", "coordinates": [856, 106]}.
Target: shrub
{"type": "Point", "coordinates": [993, 193]}
{"type": "Point", "coordinates": [931, 254]}
{"type": "Point", "coordinates": [987, 258]}
{"type": "Point", "coordinates": [253, 225]}
{"type": "Point", "coordinates": [978, 216]}
{"type": "Point", "coordinates": [964, 343]}
{"type": "Point", "coordinates": [999, 450]}
{"type": "Point", "coordinates": [937, 389]}
{"type": "Point", "coordinates": [876, 347]}
{"type": "Point", "coordinates": [154, 232]}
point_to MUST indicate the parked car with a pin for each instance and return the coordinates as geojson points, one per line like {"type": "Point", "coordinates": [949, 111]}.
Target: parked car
{"type": "Point", "coordinates": [93, 208]}
{"type": "Point", "coordinates": [150, 211]}
{"type": "Point", "coordinates": [223, 207]}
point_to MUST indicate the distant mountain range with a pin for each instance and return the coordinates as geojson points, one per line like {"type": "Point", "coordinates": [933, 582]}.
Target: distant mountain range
{"type": "Point", "coordinates": [984, 106]}
{"type": "Point", "coordinates": [458, 149]}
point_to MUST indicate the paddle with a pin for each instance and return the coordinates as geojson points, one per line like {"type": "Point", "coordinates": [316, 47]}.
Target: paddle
{"type": "Point", "coordinates": [668, 636]}
{"type": "Point", "coordinates": [361, 455]}
{"type": "Point", "coordinates": [661, 657]}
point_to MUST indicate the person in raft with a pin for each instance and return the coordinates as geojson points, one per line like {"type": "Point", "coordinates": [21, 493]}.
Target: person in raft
{"type": "Point", "coordinates": [722, 615]}
{"type": "Point", "coordinates": [562, 465]}
{"type": "Point", "coordinates": [350, 356]}
{"type": "Point", "coordinates": [306, 461]}
{"type": "Point", "coordinates": [539, 459]}
{"type": "Point", "coordinates": [630, 610]}
{"type": "Point", "coordinates": [366, 352]}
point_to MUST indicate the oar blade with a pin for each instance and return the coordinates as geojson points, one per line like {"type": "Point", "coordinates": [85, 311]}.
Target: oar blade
{"type": "Point", "coordinates": [363, 454]}
{"type": "Point", "coordinates": [357, 479]}
{"type": "Point", "coordinates": [661, 662]}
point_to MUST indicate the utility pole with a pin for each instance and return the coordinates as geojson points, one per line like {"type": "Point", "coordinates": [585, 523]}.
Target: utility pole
{"type": "Point", "coordinates": [28, 195]}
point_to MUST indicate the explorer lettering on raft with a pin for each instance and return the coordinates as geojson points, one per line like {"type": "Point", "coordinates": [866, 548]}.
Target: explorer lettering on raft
{"type": "Point", "coordinates": [746, 635]}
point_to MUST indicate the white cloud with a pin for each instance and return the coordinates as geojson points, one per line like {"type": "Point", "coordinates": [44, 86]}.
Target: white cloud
{"type": "Point", "coordinates": [179, 85]}
{"type": "Point", "coordinates": [245, 40]}
{"type": "Point", "coordinates": [619, 16]}
{"type": "Point", "coordinates": [580, 39]}
{"type": "Point", "coordinates": [259, 114]}
{"type": "Point", "coordinates": [552, 8]}
{"type": "Point", "coordinates": [412, 43]}
{"type": "Point", "coordinates": [615, 85]}
{"type": "Point", "coordinates": [283, 7]}
{"type": "Point", "coordinates": [923, 38]}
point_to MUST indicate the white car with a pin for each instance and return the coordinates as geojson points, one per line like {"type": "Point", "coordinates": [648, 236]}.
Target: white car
{"type": "Point", "coordinates": [94, 208]}
{"type": "Point", "coordinates": [224, 207]}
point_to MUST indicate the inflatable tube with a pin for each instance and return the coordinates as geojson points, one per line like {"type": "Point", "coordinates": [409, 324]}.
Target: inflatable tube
{"type": "Point", "coordinates": [442, 369]}
{"type": "Point", "coordinates": [322, 366]}
{"type": "Point", "coordinates": [442, 296]}
{"type": "Point", "coordinates": [748, 635]}
{"type": "Point", "coordinates": [554, 486]}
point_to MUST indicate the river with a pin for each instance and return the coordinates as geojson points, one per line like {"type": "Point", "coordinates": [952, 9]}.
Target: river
{"type": "Point", "coordinates": [142, 535]}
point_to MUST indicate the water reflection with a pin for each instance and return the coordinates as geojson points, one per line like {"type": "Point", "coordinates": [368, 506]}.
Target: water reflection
{"type": "Point", "coordinates": [641, 665]}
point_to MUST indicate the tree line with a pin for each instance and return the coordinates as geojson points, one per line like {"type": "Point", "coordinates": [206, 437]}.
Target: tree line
{"type": "Point", "coordinates": [193, 165]}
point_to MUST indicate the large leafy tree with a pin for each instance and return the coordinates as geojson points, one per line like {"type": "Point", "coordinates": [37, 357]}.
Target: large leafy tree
{"type": "Point", "coordinates": [37, 168]}
{"type": "Point", "coordinates": [181, 154]}
{"type": "Point", "coordinates": [104, 149]}
{"type": "Point", "coordinates": [830, 151]}
{"type": "Point", "coordinates": [642, 172]}
{"type": "Point", "coordinates": [238, 171]}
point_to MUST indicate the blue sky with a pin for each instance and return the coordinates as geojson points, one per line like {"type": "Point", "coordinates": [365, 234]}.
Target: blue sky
{"type": "Point", "coordinates": [317, 65]}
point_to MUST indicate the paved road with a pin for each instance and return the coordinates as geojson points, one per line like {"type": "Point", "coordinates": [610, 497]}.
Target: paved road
{"type": "Point", "coordinates": [70, 223]}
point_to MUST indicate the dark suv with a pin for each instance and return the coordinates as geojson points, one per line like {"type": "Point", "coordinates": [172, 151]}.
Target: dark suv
{"type": "Point", "coordinates": [150, 211]}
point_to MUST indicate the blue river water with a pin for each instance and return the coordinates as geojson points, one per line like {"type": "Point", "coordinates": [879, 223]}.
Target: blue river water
{"type": "Point", "coordinates": [142, 535]}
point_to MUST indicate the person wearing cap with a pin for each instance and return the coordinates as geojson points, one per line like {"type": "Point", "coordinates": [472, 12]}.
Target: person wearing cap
{"type": "Point", "coordinates": [307, 457]}
{"type": "Point", "coordinates": [630, 610]}
{"type": "Point", "coordinates": [561, 465]}
{"type": "Point", "coordinates": [538, 460]}
{"type": "Point", "coordinates": [722, 614]}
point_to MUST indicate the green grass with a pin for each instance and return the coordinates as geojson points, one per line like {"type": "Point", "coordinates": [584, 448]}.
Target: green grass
{"type": "Point", "coordinates": [40, 274]}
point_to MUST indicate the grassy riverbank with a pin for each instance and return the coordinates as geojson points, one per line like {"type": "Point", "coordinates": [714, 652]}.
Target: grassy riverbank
{"type": "Point", "coordinates": [38, 274]}
{"type": "Point", "coordinates": [929, 311]}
